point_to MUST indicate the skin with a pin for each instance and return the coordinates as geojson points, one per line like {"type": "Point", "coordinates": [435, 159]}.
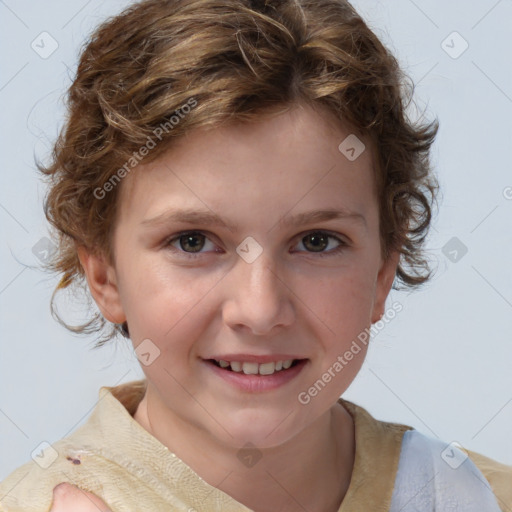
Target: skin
{"type": "Point", "coordinates": [289, 300]}
{"type": "Point", "coordinates": [66, 496]}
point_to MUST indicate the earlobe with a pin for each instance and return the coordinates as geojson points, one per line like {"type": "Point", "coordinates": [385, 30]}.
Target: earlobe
{"type": "Point", "coordinates": [102, 281]}
{"type": "Point", "coordinates": [385, 280]}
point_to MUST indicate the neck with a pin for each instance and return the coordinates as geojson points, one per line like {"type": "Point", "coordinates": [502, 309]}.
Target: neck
{"type": "Point", "coordinates": [309, 472]}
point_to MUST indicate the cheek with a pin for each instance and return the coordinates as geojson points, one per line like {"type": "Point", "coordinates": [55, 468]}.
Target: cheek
{"type": "Point", "coordinates": [164, 303]}
{"type": "Point", "coordinates": [342, 301]}
{"type": "Point", "coordinates": [342, 307]}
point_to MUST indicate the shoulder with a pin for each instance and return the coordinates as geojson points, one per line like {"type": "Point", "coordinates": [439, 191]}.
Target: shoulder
{"type": "Point", "coordinates": [498, 475]}
{"type": "Point", "coordinates": [434, 475]}
{"type": "Point", "coordinates": [33, 486]}
{"type": "Point", "coordinates": [93, 456]}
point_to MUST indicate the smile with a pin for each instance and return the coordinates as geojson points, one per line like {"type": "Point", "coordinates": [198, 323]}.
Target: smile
{"type": "Point", "coordinates": [252, 368]}
{"type": "Point", "coordinates": [256, 377]}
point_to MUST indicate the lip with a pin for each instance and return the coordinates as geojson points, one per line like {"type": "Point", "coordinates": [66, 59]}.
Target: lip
{"type": "Point", "coordinates": [248, 358]}
{"type": "Point", "coordinates": [257, 383]}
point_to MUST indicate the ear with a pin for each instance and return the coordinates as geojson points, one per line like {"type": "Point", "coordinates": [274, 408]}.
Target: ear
{"type": "Point", "coordinates": [102, 281]}
{"type": "Point", "coordinates": [383, 285]}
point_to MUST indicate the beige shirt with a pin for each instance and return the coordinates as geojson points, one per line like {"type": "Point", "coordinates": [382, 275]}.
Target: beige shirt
{"type": "Point", "coordinates": [115, 458]}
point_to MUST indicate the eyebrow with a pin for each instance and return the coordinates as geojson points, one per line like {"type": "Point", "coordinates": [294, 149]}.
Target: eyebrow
{"type": "Point", "coordinates": [209, 218]}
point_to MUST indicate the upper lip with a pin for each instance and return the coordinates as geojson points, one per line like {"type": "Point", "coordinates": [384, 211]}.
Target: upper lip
{"type": "Point", "coordinates": [250, 358]}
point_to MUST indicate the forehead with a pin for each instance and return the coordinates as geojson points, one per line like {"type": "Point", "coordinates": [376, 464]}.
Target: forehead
{"type": "Point", "coordinates": [295, 158]}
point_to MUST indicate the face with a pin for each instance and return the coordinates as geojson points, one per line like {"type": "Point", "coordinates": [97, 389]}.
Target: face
{"type": "Point", "coordinates": [219, 259]}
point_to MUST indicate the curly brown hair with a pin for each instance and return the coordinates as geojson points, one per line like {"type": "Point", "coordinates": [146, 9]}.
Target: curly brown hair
{"type": "Point", "coordinates": [233, 60]}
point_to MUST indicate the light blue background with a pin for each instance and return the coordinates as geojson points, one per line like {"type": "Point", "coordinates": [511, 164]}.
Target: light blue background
{"type": "Point", "coordinates": [442, 365]}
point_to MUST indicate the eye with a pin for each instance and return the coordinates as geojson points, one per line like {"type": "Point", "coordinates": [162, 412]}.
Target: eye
{"type": "Point", "coordinates": [190, 242]}
{"type": "Point", "coordinates": [318, 241]}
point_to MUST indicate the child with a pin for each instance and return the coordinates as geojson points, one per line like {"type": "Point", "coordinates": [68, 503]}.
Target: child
{"type": "Point", "coordinates": [240, 187]}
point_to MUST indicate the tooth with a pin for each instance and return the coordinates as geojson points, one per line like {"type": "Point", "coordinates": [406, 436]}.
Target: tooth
{"type": "Point", "coordinates": [236, 366]}
{"type": "Point", "coordinates": [267, 368]}
{"type": "Point", "coordinates": [249, 368]}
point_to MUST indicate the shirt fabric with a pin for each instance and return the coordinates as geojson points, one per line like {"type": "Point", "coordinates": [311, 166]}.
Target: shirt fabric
{"type": "Point", "coordinates": [435, 476]}
{"type": "Point", "coordinates": [396, 469]}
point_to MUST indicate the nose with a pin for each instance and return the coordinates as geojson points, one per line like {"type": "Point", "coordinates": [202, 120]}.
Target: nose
{"type": "Point", "coordinates": [258, 297]}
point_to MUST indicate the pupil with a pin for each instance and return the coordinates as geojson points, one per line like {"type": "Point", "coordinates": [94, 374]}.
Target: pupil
{"type": "Point", "coordinates": [189, 240]}
{"type": "Point", "coordinates": [319, 241]}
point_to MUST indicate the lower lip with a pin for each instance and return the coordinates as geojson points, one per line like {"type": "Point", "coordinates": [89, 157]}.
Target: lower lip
{"type": "Point", "coordinates": [258, 383]}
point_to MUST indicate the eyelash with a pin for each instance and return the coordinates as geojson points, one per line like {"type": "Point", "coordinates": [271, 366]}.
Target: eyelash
{"type": "Point", "coordinates": [333, 252]}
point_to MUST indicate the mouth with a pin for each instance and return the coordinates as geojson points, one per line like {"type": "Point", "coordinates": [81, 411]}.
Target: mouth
{"type": "Point", "coordinates": [251, 373]}
{"type": "Point", "coordinates": [254, 368]}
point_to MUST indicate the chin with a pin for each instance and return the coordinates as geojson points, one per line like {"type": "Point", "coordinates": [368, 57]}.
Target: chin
{"type": "Point", "coordinates": [259, 428]}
